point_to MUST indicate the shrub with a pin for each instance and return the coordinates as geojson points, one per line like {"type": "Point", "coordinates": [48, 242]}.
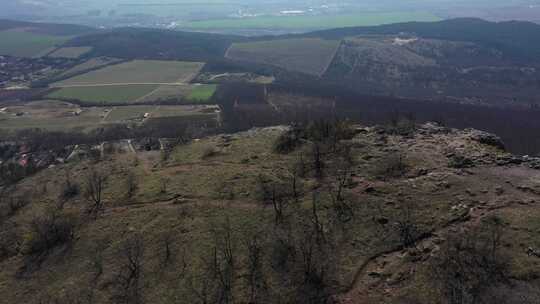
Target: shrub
{"type": "Point", "coordinates": [209, 152]}
{"type": "Point", "coordinates": [69, 190]}
{"type": "Point", "coordinates": [471, 262]}
{"type": "Point", "coordinates": [460, 162]}
{"type": "Point", "coordinates": [391, 166]}
{"type": "Point", "coordinates": [288, 141]}
{"type": "Point", "coordinates": [48, 231]}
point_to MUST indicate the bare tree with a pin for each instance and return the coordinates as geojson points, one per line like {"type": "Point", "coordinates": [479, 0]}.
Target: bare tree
{"type": "Point", "coordinates": [95, 185]}
{"type": "Point", "coordinates": [471, 263]}
{"type": "Point", "coordinates": [406, 224]}
{"type": "Point", "coordinates": [128, 281]}
{"type": "Point", "coordinates": [255, 277]}
{"type": "Point", "coordinates": [131, 184]}
{"type": "Point", "coordinates": [164, 184]}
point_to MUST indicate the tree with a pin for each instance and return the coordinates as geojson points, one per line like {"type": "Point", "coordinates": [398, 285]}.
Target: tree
{"type": "Point", "coordinates": [131, 184]}
{"type": "Point", "coordinates": [255, 277]}
{"type": "Point", "coordinates": [471, 262]}
{"type": "Point", "coordinates": [95, 185]}
{"type": "Point", "coordinates": [128, 281]}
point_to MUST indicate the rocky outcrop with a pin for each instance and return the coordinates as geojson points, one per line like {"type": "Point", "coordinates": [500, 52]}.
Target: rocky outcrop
{"type": "Point", "coordinates": [486, 138]}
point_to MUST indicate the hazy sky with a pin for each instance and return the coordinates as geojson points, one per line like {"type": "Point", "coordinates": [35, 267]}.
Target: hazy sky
{"type": "Point", "coordinates": [195, 8]}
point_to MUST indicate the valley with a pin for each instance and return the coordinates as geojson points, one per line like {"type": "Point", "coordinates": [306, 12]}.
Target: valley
{"type": "Point", "coordinates": [387, 163]}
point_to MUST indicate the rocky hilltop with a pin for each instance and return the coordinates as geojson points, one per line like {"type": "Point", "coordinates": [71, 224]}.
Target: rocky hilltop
{"type": "Point", "coordinates": [328, 212]}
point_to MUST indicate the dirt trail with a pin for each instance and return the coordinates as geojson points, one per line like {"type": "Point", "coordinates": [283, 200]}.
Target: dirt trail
{"type": "Point", "coordinates": [367, 278]}
{"type": "Point", "coordinates": [178, 202]}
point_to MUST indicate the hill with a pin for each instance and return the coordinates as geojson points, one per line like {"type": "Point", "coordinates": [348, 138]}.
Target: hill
{"type": "Point", "coordinates": [132, 43]}
{"type": "Point", "coordinates": [46, 28]}
{"type": "Point", "coordinates": [518, 40]}
{"type": "Point", "coordinates": [375, 218]}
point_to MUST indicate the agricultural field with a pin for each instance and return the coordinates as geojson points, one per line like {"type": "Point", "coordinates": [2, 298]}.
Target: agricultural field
{"type": "Point", "coordinates": [138, 72]}
{"type": "Point", "coordinates": [184, 93]}
{"type": "Point", "coordinates": [61, 116]}
{"type": "Point", "coordinates": [19, 43]}
{"type": "Point", "coordinates": [311, 22]}
{"type": "Point", "coordinates": [70, 52]}
{"type": "Point", "coordinates": [138, 112]}
{"type": "Point", "coordinates": [90, 64]}
{"type": "Point", "coordinates": [184, 110]}
{"type": "Point", "coordinates": [128, 113]}
{"type": "Point", "coordinates": [307, 55]}
{"type": "Point", "coordinates": [104, 94]}
{"type": "Point", "coordinates": [130, 82]}
{"type": "Point", "coordinates": [50, 115]}
{"type": "Point", "coordinates": [202, 93]}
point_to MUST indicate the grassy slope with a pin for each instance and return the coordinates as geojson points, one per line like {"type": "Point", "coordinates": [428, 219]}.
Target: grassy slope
{"type": "Point", "coordinates": [223, 185]}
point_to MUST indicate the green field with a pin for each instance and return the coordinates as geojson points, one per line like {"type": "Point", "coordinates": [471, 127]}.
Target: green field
{"type": "Point", "coordinates": [202, 92]}
{"type": "Point", "coordinates": [138, 72]}
{"type": "Point", "coordinates": [165, 92]}
{"type": "Point", "coordinates": [306, 55]}
{"type": "Point", "coordinates": [105, 94]}
{"type": "Point", "coordinates": [25, 44]}
{"type": "Point", "coordinates": [70, 52]}
{"type": "Point", "coordinates": [312, 22]}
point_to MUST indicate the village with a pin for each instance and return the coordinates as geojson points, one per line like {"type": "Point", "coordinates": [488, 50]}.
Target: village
{"type": "Point", "coordinates": [19, 72]}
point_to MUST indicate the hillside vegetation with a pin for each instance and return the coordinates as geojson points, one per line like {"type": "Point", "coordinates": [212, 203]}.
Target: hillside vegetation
{"type": "Point", "coordinates": [306, 214]}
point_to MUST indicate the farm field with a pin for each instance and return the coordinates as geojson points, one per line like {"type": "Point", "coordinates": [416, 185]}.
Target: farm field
{"type": "Point", "coordinates": [103, 94]}
{"type": "Point", "coordinates": [184, 110]}
{"type": "Point", "coordinates": [91, 64]}
{"type": "Point", "coordinates": [61, 116]}
{"type": "Point", "coordinates": [128, 113]}
{"type": "Point", "coordinates": [138, 72]}
{"type": "Point", "coordinates": [202, 93]}
{"type": "Point", "coordinates": [182, 93]}
{"type": "Point", "coordinates": [70, 52]}
{"type": "Point", "coordinates": [136, 113]}
{"type": "Point", "coordinates": [25, 44]}
{"type": "Point", "coordinates": [312, 22]}
{"type": "Point", "coordinates": [306, 55]}
{"type": "Point", "coordinates": [50, 115]}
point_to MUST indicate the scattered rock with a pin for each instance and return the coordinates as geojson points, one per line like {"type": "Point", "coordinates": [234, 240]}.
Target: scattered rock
{"type": "Point", "coordinates": [486, 138]}
{"type": "Point", "coordinates": [460, 162]}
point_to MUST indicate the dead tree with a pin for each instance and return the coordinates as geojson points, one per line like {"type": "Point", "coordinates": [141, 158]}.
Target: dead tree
{"type": "Point", "coordinates": [255, 277]}
{"type": "Point", "coordinates": [342, 210]}
{"type": "Point", "coordinates": [406, 225]}
{"type": "Point", "coordinates": [225, 262]}
{"type": "Point", "coordinates": [95, 185]}
{"type": "Point", "coordinates": [128, 281]}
